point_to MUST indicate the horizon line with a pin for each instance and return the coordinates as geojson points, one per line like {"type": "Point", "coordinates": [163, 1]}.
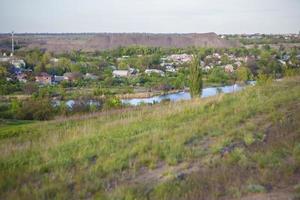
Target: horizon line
{"type": "Point", "coordinates": [179, 33]}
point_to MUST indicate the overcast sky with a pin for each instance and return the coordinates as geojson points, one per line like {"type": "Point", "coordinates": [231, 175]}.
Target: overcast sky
{"type": "Point", "coordinates": [156, 16]}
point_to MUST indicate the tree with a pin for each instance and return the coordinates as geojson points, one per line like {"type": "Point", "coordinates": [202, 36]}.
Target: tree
{"type": "Point", "coordinates": [225, 60]}
{"type": "Point", "coordinates": [243, 74]}
{"type": "Point", "coordinates": [65, 64]}
{"type": "Point", "coordinates": [3, 72]}
{"type": "Point", "coordinates": [195, 77]}
{"type": "Point", "coordinates": [218, 75]}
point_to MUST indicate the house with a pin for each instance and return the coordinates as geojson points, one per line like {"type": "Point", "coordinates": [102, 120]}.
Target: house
{"type": "Point", "coordinates": [54, 60]}
{"type": "Point", "coordinates": [286, 57]}
{"type": "Point", "coordinates": [216, 55]}
{"type": "Point", "coordinates": [282, 62]}
{"type": "Point", "coordinates": [164, 64]}
{"type": "Point", "coordinates": [15, 70]}
{"type": "Point", "coordinates": [22, 77]}
{"type": "Point", "coordinates": [121, 73]}
{"type": "Point", "coordinates": [58, 79]}
{"type": "Point", "coordinates": [207, 68]}
{"type": "Point", "coordinates": [170, 68]}
{"type": "Point", "coordinates": [180, 58]}
{"type": "Point", "coordinates": [43, 78]}
{"type": "Point", "coordinates": [72, 76]}
{"type": "Point", "coordinates": [133, 71]}
{"type": "Point", "coordinates": [91, 76]}
{"type": "Point", "coordinates": [238, 63]}
{"type": "Point", "coordinates": [228, 68]}
{"type": "Point", "coordinates": [18, 63]}
{"type": "Point", "coordinates": [154, 71]}
{"type": "Point", "coordinates": [4, 58]}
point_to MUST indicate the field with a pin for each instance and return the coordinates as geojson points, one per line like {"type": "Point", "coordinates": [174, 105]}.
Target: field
{"type": "Point", "coordinates": [225, 147]}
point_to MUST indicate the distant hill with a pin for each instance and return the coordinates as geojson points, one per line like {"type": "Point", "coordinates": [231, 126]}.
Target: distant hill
{"type": "Point", "coordinates": [102, 41]}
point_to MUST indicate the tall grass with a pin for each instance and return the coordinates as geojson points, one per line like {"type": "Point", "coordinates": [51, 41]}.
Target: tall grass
{"type": "Point", "coordinates": [101, 155]}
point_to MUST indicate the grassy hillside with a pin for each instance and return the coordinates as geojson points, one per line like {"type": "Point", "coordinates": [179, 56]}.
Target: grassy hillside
{"type": "Point", "coordinates": [228, 146]}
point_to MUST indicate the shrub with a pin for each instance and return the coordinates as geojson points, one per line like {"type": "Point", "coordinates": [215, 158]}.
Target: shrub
{"type": "Point", "coordinates": [248, 138]}
{"type": "Point", "coordinates": [263, 79]}
{"type": "Point", "coordinates": [112, 102]}
{"type": "Point", "coordinates": [30, 88]}
{"type": "Point", "coordinates": [296, 153]}
{"type": "Point", "coordinates": [255, 188]}
{"type": "Point", "coordinates": [34, 109]}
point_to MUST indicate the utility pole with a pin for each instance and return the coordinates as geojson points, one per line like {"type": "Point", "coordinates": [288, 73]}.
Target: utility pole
{"type": "Point", "coordinates": [12, 43]}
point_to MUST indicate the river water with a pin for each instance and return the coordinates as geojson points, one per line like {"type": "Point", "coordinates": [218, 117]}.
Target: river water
{"type": "Point", "coordinates": [206, 92]}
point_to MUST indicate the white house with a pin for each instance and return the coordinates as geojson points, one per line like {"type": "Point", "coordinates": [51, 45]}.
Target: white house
{"type": "Point", "coordinates": [54, 60]}
{"type": "Point", "coordinates": [4, 58]}
{"type": "Point", "coordinates": [228, 68]}
{"type": "Point", "coordinates": [91, 76]}
{"type": "Point", "coordinates": [120, 73]}
{"type": "Point", "coordinates": [18, 63]}
{"type": "Point", "coordinates": [156, 71]}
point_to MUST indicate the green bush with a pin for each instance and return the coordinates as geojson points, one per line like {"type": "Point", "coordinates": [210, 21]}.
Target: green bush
{"type": "Point", "coordinates": [112, 102]}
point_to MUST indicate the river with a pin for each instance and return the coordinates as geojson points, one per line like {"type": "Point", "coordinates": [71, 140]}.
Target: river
{"type": "Point", "coordinates": [206, 92]}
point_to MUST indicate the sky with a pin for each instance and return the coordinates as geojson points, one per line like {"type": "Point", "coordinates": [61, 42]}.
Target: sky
{"type": "Point", "coordinates": [154, 16]}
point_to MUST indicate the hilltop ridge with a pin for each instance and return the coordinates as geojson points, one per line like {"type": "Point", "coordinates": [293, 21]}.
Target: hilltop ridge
{"type": "Point", "coordinates": [62, 42]}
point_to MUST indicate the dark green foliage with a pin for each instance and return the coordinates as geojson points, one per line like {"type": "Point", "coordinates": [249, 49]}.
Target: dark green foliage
{"type": "Point", "coordinates": [218, 75]}
{"type": "Point", "coordinates": [195, 77]}
{"type": "Point", "coordinates": [9, 87]}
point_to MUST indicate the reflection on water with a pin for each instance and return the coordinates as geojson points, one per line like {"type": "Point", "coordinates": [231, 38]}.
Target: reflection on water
{"type": "Point", "coordinates": [206, 92]}
{"type": "Point", "coordinates": [71, 103]}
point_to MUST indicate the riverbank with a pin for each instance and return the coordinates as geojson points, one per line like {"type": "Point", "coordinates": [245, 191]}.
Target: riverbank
{"type": "Point", "coordinates": [140, 95]}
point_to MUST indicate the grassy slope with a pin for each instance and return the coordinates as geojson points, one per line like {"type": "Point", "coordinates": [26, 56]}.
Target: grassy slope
{"type": "Point", "coordinates": [226, 146]}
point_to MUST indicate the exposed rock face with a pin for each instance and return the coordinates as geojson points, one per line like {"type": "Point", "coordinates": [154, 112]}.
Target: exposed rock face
{"type": "Point", "coordinates": [102, 41]}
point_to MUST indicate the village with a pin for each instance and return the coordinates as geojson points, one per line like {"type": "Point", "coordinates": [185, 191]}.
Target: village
{"type": "Point", "coordinates": [76, 82]}
{"type": "Point", "coordinates": [169, 64]}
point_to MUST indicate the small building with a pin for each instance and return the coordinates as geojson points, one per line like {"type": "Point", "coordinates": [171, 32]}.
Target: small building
{"type": "Point", "coordinates": [19, 63]}
{"type": "Point", "coordinates": [4, 59]}
{"type": "Point", "coordinates": [154, 71]}
{"type": "Point", "coordinates": [43, 78]}
{"type": "Point", "coordinates": [133, 71]}
{"type": "Point", "coordinates": [72, 76]}
{"type": "Point", "coordinates": [121, 73]}
{"type": "Point", "coordinates": [170, 68]}
{"type": "Point", "coordinates": [22, 77]}
{"type": "Point", "coordinates": [207, 68]}
{"type": "Point", "coordinates": [91, 76]}
{"type": "Point", "coordinates": [54, 60]}
{"type": "Point", "coordinates": [238, 63]}
{"type": "Point", "coordinates": [282, 62]}
{"type": "Point", "coordinates": [58, 79]}
{"type": "Point", "coordinates": [229, 68]}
